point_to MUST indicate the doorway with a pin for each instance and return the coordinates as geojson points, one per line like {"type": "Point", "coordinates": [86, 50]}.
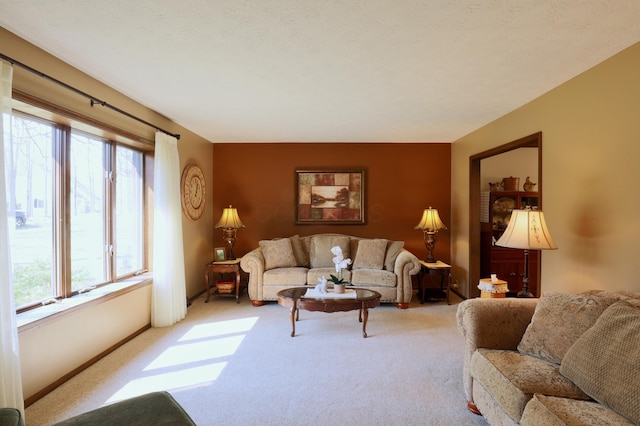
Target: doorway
{"type": "Point", "coordinates": [475, 245]}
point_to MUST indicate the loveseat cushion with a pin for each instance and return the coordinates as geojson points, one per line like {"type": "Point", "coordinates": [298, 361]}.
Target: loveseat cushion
{"type": "Point", "coordinates": [320, 255]}
{"type": "Point", "coordinates": [370, 254]}
{"type": "Point", "coordinates": [605, 360]}
{"type": "Point", "coordinates": [554, 411]}
{"type": "Point", "coordinates": [560, 319]}
{"type": "Point", "coordinates": [512, 378]}
{"type": "Point", "coordinates": [277, 253]}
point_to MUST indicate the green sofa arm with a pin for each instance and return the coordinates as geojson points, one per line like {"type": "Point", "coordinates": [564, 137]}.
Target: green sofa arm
{"type": "Point", "coordinates": [156, 408]}
{"type": "Point", "coordinates": [11, 417]}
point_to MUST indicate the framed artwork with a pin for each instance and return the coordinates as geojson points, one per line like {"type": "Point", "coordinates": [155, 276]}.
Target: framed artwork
{"type": "Point", "coordinates": [330, 196]}
{"type": "Point", "coordinates": [221, 254]}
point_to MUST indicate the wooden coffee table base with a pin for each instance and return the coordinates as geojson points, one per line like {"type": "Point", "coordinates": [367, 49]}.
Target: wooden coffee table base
{"type": "Point", "coordinates": [293, 299]}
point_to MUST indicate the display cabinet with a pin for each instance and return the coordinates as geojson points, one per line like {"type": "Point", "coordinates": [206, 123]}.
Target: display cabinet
{"type": "Point", "coordinates": [507, 263]}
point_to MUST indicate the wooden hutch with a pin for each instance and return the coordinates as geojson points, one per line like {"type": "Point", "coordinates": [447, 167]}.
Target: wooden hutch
{"type": "Point", "coordinates": [507, 263]}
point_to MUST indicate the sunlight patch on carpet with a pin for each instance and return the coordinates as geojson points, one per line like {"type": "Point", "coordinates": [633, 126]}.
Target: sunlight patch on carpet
{"type": "Point", "coordinates": [194, 360]}
{"type": "Point", "coordinates": [181, 378]}
{"type": "Point", "coordinates": [180, 355]}
{"type": "Point", "coordinates": [219, 328]}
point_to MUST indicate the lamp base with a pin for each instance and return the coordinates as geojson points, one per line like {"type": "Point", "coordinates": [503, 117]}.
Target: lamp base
{"type": "Point", "coordinates": [229, 237]}
{"type": "Point", "coordinates": [430, 242]}
{"type": "Point", "coordinates": [229, 250]}
{"type": "Point", "coordinates": [524, 293]}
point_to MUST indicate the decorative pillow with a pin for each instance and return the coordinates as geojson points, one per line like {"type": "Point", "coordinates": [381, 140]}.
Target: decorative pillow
{"type": "Point", "coordinates": [320, 255]}
{"type": "Point", "coordinates": [605, 361]}
{"type": "Point", "coordinates": [393, 250]}
{"type": "Point", "coordinates": [370, 254]}
{"type": "Point", "coordinates": [299, 252]}
{"type": "Point", "coordinates": [277, 253]}
{"type": "Point", "coordinates": [560, 319]}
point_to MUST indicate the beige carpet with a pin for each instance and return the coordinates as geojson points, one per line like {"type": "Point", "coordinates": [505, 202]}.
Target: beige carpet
{"type": "Point", "coordinates": [236, 364]}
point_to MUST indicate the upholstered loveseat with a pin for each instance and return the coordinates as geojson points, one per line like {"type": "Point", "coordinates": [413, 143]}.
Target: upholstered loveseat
{"type": "Point", "coordinates": [378, 264]}
{"type": "Point", "coordinates": [559, 360]}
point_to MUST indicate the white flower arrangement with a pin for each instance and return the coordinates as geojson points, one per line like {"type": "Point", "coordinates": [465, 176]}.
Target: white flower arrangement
{"type": "Point", "coordinates": [341, 263]}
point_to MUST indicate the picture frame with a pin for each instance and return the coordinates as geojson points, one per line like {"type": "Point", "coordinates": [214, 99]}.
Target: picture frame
{"type": "Point", "coordinates": [331, 196]}
{"type": "Point", "coordinates": [221, 254]}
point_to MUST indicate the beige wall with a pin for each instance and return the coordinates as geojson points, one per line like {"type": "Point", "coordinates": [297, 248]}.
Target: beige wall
{"type": "Point", "coordinates": [130, 312]}
{"type": "Point", "coordinates": [591, 168]}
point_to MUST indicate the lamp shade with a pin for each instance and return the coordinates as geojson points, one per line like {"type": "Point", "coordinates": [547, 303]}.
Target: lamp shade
{"type": "Point", "coordinates": [230, 219]}
{"type": "Point", "coordinates": [430, 220]}
{"type": "Point", "coordinates": [527, 229]}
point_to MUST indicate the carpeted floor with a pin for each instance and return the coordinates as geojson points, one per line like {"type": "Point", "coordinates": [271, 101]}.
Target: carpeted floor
{"type": "Point", "coordinates": [236, 364]}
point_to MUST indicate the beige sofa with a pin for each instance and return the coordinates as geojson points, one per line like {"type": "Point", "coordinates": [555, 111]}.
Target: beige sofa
{"type": "Point", "coordinates": [559, 360]}
{"type": "Point", "coordinates": [378, 264]}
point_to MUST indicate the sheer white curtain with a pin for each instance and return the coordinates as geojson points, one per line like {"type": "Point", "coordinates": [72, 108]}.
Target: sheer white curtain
{"type": "Point", "coordinates": [169, 303]}
{"type": "Point", "coordinates": [10, 377]}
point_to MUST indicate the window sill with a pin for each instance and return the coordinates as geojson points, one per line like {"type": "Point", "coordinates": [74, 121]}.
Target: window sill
{"type": "Point", "coordinates": [41, 315]}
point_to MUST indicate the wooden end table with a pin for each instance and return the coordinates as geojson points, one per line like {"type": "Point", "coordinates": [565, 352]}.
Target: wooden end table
{"type": "Point", "coordinates": [223, 267]}
{"type": "Point", "coordinates": [294, 299]}
{"type": "Point", "coordinates": [439, 269]}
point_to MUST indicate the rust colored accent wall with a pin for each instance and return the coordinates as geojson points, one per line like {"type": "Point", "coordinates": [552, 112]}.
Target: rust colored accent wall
{"type": "Point", "coordinates": [401, 181]}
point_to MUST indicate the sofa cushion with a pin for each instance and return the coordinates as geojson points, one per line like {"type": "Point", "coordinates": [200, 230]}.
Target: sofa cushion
{"type": "Point", "coordinates": [605, 360]}
{"type": "Point", "coordinates": [370, 254]}
{"type": "Point", "coordinates": [554, 411]}
{"type": "Point", "coordinates": [560, 319]}
{"type": "Point", "coordinates": [393, 250]}
{"type": "Point", "coordinates": [320, 255]}
{"type": "Point", "coordinates": [372, 278]}
{"type": "Point", "coordinates": [512, 378]}
{"type": "Point", "coordinates": [313, 275]}
{"type": "Point", "coordinates": [300, 252]}
{"type": "Point", "coordinates": [296, 276]}
{"type": "Point", "coordinates": [277, 253]}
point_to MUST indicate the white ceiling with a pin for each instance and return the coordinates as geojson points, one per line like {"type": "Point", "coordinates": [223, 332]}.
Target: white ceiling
{"type": "Point", "coordinates": [329, 70]}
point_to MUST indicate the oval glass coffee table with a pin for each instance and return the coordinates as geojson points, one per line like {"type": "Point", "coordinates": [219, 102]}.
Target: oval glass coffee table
{"type": "Point", "coordinates": [296, 298]}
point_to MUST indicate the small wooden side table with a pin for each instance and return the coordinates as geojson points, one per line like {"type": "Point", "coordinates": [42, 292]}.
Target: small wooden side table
{"type": "Point", "coordinates": [222, 267]}
{"type": "Point", "coordinates": [433, 269]}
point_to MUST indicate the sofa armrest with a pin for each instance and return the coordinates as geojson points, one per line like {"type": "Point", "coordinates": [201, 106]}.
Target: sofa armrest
{"type": "Point", "coordinates": [253, 264]}
{"type": "Point", "coordinates": [491, 324]}
{"type": "Point", "coordinates": [406, 265]}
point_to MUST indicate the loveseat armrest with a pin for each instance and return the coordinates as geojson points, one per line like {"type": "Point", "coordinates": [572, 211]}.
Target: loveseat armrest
{"type": "Point", "coordinates": [492, 324]}
{"type": "Point", "coordinates": [253, 264]}
{"type": "Point", "coordinates": [495, 323]}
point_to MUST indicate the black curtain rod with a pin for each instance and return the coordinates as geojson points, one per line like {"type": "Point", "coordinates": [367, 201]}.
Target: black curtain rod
{"type": "Point", "coordinates": [93, 100]}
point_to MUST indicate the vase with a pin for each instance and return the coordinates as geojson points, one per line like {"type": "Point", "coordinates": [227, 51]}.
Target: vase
{"type": "Point", "coordinates": [338, 288]}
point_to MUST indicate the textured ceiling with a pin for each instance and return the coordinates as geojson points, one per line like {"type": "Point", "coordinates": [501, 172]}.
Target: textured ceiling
{"type": "Point", "coordinates": [329, 70]}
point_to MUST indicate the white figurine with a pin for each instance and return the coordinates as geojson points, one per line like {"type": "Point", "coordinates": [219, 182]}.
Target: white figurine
{"type": "Point", "coordinates": [322, 287]}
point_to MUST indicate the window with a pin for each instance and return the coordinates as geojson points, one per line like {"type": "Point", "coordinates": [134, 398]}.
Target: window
{"type": "Point", "coordinates": [78, 200]}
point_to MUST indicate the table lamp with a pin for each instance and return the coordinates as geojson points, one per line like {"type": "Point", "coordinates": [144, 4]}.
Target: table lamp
{"type": "Point", "coordinates": [430, 225]}
{"type": "Point", "coordinates": [229, 222]}
{"type": "Point", "coordinates": [527, 230]}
